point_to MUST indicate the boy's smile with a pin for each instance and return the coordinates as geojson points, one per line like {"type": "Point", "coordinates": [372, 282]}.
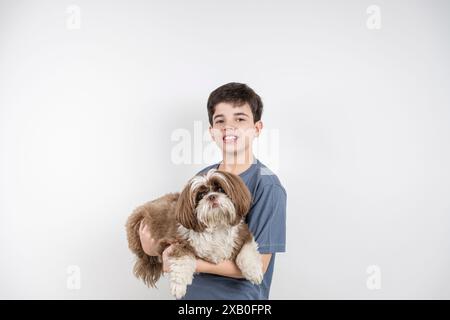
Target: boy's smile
{"type": "Point", "coordinates": [233, 128]}
{"type": "Point", "coordinates": [229, 138]}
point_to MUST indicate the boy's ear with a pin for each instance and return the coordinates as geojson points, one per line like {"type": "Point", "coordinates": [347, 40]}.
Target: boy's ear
{"type": "Point", "coordinates": [258, 127]}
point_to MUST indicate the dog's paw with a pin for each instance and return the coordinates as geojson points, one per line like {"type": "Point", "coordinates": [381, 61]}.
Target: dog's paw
{"type": "Point", "coordinates": [255, 276]}
{"type": "Point", "coordinates": [249, 262]}
{"type": "Point", "coordinates": [177, 290]}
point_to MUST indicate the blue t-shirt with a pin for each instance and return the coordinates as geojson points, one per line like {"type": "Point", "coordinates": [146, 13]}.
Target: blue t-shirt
{"type": "Point", "coordinates": [267, 222]}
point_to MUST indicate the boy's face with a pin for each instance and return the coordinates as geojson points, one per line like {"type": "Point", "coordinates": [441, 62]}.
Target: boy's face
{"type": "Point", "coordinates": [233, 129]}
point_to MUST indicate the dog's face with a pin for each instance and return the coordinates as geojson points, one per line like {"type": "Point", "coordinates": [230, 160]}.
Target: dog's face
{"type": "Point", "coordinates": [216, 199]}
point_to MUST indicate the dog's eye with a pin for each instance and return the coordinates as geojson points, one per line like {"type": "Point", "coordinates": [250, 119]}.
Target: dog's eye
{"type": "Point", "coordinates": [200, 195]}
{"type": "Point", "coordinates": [219, 189]}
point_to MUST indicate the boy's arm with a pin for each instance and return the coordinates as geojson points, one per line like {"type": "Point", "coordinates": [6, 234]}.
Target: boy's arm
{"type": "Point", "coordinates": [228, 268]}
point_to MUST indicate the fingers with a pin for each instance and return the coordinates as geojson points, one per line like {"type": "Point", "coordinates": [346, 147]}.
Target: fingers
{"type": "Point", "coordinates": [143, 228]}
{"type": "Point", "coordinates": [165, 258]}
{"type": "Point", "coordinates": [167, 251]}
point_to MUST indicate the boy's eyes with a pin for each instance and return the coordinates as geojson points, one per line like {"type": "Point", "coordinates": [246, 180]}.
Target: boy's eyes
{"type": "Point", "coordinates": [238, 120]}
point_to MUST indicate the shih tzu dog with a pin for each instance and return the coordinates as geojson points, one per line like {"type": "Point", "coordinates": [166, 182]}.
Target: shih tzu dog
{"type": "Point", "coordinates": [206, 221]}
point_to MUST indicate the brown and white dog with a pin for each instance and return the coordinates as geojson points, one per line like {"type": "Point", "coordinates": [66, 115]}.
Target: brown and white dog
{"type": "Point", "coordinates": [207, 220]}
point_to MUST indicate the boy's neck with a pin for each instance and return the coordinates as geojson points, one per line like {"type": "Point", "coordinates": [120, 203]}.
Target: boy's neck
{"type": "Point", "coordinates": [235, 164]}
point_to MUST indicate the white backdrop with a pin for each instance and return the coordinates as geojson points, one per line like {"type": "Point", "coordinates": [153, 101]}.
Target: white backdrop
{"type": "Point", "coordinates": [95, 96]}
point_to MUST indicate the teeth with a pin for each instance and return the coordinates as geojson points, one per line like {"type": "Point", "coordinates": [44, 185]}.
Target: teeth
{"type": "Point", "coordinates": [230, 138]}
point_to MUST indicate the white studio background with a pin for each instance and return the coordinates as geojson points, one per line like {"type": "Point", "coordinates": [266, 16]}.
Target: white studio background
{"type": "Point", "coordinates": [93, 95]}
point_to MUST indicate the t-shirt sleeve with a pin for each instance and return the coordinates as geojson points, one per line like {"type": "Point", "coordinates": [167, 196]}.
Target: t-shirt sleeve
{"type": "Point", "coordinates": [267, 220]}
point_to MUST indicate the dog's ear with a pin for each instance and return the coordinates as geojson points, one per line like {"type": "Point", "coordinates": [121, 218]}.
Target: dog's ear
{"type": "Point", "coordinates": [185, 210]}
{"type": "Point", "coordinates": [238, 193]}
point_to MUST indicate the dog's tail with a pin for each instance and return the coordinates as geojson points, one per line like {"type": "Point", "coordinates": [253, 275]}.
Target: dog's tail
{"type": "Point", "coordinates": [132, 227]}
{"type": "Point", "coordinates": [149, 269]}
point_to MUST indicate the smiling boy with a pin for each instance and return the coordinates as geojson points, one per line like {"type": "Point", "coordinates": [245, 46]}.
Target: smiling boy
{"type": "Point", "coordinates": [234, 113]}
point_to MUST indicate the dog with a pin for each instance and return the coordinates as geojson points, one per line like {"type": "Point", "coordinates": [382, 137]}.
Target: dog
{"type": "Point", "coordinates": [206, 220]}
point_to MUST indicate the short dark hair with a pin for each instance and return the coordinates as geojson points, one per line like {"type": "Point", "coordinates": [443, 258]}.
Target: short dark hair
{"type": "Point", "coordinates": [238, 94]}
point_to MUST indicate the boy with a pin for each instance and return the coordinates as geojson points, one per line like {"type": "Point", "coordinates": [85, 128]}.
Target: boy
{"type": "Point", "coordinates": [234, 112]}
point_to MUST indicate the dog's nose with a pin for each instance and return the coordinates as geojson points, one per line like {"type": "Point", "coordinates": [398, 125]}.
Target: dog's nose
{"type": "Point", "coordinates": [212, 197]}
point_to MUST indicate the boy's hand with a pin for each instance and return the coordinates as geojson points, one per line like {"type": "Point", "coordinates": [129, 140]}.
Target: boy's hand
{"type": "Point", "coordinates": [147, 242]}
{"type": "Point", "coordinates": [165, 258]}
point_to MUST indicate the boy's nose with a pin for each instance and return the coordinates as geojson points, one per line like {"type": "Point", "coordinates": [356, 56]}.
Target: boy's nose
{"type": "Point", "coordinates": [229, 130]}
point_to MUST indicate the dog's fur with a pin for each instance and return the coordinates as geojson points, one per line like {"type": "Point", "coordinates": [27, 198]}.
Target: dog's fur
{"type": "Point", "coordinates": [199, 227]}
